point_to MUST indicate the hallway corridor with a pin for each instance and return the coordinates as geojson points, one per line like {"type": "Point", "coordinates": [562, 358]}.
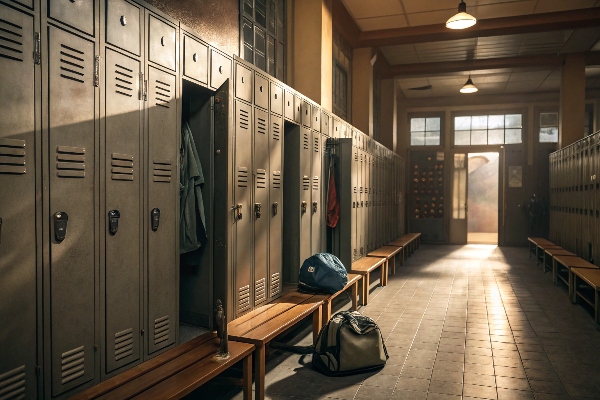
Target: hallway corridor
{"type": "Point", "coordinates": [473, 321]}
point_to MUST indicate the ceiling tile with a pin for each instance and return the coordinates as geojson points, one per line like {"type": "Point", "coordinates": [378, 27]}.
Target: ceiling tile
{"type": "Point", "coordinates": [527, 77]}
{"type": "Point", "coordinates": [387, 22]}
{"type": "Point", "coordinates": [503, 9]}
{"type": "Point", "coordinates": [544, 6]}
{"type": "Point", "coordinates": [429, 18]}
{"type": "Point", "coordinates": [412, 83]}
{"type": "Point", "coordinates": [373, 8]}
{"type": "Point", "coordinates": [415, 6]}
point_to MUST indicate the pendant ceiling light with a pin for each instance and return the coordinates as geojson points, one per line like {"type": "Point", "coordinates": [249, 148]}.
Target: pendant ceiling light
{"type": "Point", "coordinates": [461, 20]}
{"type": "Point", "coordinates": [469, 87]}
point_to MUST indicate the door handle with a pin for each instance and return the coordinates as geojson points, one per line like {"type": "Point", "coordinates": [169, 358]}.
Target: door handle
{"type": "Point", "coordinates": [60, 225]}
{"type": "Point", "coordinates": [303, 207]}
{"type": "Point", "coordinates": [274, 211]}
{"type": "Point", "coordinates": [257, 207]}
{"type": "Point", "coordinates": [113, 221]}
{"type": "Point", "coordinates": [314, 207]}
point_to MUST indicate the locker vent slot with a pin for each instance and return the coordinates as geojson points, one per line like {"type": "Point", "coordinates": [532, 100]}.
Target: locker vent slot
{"type": "Point", "coordinates": [244, 296]}
{"type": "Point", "coordinates": [274, 284]}
{"type": "Point", "coordinates": [71, 64]}
{"type": "Point", "coordinates": [12, 156]}
{"type": "Point", "coordinates": [72, 364]}
{"type": "Point", "coordinates": [162, 170]}
{"type": "Point", "coordinates": [316, 182]}
{"type": "Point", "coordinates": [305, 141]}
{"type": "Point", "coordinates": [123, 344]}
{"type": "Point", "coordinates": [305, 182]}
{"type": "Point", "coordinates": [124, 81]}
{"type": "Point", "coordinates": [244, 119]}
{"type": "Point", "coordinates": [12, 384]}
{"type": "Point", "coordinates": [276, 131]}
{"type": "Point", "coordinates": [261, 179]}
{"type": "Point", "coordinates": [121, 167]}
{"type": "Point", "coordinates": [317, 144]}
{"type": "Point", "coordinates": [276, 179]}
{"type": "Point", "coordinates": [163, 94]}
{"type": "Point", "coordinates": [260, 292]}
{"type": "Point", "coordinates": [261, 126]}
{"type": "Point", "coordinates": [11, 41]}
{"type": "Point", "coordinates": [242, 177]}
{"type": "Point", "coordinates": [161, 329]}
{"type": "Point", "coordinates": [70, 162]}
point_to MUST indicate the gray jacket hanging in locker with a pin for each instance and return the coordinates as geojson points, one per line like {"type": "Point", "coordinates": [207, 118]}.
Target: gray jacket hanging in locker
{"type": "Point", "coordinates": [192, 224]}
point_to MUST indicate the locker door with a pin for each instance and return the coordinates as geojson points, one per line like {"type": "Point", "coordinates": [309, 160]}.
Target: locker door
{"type": "Point", "coordinates": [122, 273]}
{"type": "Point", "coordinates": [360, 235]}
{"type": "Point", "coordinates": [305, 194]}
{"type": "Point", "coordinates": [316, 184]}
{"type": "Point", "coordinates": [73, 260]}
{"type": "Point", "coordinates": [242, 198]}
{"type": "Point", "coordinates": [368, 201]}
{"type": "Point", "coordinates": [260, 213]}
{"type": "Point", "coordinates": [76, 13]}
{"type": "Point", "coordinates": [324, 191]}
{"type": "Point", "coordinates": [18, 267]}
{"type": "Point", "coordinates": [275, 211]}
{"type": "Point", "coordinates": [162, 206]}
{"type": "Point", "coordinates": [355, 204]}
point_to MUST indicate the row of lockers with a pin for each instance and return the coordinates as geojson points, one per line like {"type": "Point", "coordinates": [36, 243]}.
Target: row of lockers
{"type": "Point", "coordinates": [575, 197]}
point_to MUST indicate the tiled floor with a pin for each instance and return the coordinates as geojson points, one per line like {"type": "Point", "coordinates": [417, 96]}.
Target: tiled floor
{"type": "Point", "coordinates": [465, 322]}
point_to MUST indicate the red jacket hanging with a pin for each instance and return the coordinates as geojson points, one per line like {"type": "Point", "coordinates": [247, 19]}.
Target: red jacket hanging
{"type": "Point", "coordinates": [333, 207]}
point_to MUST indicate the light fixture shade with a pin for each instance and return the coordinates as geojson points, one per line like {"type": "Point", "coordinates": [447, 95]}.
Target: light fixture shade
{"type": "Point", "coordinates": [461, 20]}
{"type": "Point", "coordinates": [469, 87]}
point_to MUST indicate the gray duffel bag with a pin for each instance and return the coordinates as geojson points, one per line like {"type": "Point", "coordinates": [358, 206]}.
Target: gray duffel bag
{"type": "Point", "coordinates": [350, 343]}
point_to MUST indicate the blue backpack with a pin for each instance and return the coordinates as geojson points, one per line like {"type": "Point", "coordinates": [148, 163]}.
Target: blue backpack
{"type": "Point", "coordinates": [322, 273]}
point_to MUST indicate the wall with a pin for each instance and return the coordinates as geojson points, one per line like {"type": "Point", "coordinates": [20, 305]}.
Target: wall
{"type": "Point", "coordinates": [215, 21]}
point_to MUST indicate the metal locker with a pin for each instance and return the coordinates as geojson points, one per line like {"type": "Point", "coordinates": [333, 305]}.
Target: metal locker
{"type": "Point", "coordinates": [78, 14]}
{"type": "Point", "coordinates": [316, 118]}
{"type": "Point", "coordinates": [243, 210]}
{"type": "Point", "coordinates": [72, 135]}
{"type": "Point", "coordinates": [355, 199]}
{"type": "Point", "coordinates": [288, 106]}
{"type": "Point", "coordinates": [297, 109]}
{"type": "Point", "coordinates": [243, 82]}
{"type": "Point", "coordinates": [274, 210]}
{"type": "Point", "coordinates": [305, 195]}
{"type": "Point", "coordinates": [345, 169]}
{"type": "Point", "coordinates": [316, 187]}
{"type": "Point", "coordinates": [260, 209]}
{"type": "Point", "coordinates": [121, 228]}
{"type": "Point", "coordinates": [305, 110]}
{"type": "Point", "coordinates": [261, 91]}
{"type": "Point", "coordinates": [123, 25]}
{"type": "Point", "coordinates": [162, 207]}
{"type": "Point", "coordinates": [220, 69]}
{"type": "Point", "coordinates": [325, 124]}
{"type": "Point", "coordinates": [162, 43]}
{"type": "Point", "coordinates": [368, 200]}
{"type": "Point", "coordinates": [195, 59]}
{"type": "Point", "coordinates": [276, 105]}
{"type": "Point", "coordinates": [18, 261]}
{"type": "Point", "coordinates": [325, 160]}
{"type": "Point", "coordinates": [360, 233]}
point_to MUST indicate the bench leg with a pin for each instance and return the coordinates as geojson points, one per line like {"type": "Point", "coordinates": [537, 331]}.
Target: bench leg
{"type": "Point", "coordinates": [572, 287]}
{"type": "Point", "coordinates": [384, 273]}
{"type": "Point", "coordinates": [544, 263]}
{"type": "Point", "coordinates": [326, 312]}
{"type": "Point", "coordinates": [317, 320]}
{"type": "Point", "coordinates": [554, 271]}
{"type": "Point", "coordinates": [392, 264]}
{"type": "Point", "coordinates": [355, 296]}
{"type": "Point", "coordinates": [259, 372]}
{"type": "Point", "coordinates": [366, 285]}
{"type": "Point", "coordinates": [247, 379]}
{"type": "Point", "coordinates": [596, 305]}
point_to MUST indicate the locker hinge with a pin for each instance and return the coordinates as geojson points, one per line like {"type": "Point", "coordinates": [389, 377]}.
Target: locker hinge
{"type": "Point", "coordinates": [37, 51]}
{"type": "Point", "coordinates": [141, 90]}
{"type": "Point", "coordinates": [97, 71]}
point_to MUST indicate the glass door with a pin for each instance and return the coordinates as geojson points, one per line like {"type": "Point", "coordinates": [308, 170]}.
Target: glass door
{"type": "Point", "coordinates": [482, 197]}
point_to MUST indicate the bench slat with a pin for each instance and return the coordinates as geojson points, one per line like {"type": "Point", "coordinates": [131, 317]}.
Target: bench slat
{"type": "Point", "coordinates": [385, 251]}
{"type": "Point", "coordinates": [366, 264]}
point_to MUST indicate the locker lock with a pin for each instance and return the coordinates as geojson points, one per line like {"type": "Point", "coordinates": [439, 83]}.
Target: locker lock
{"type": "Point", "coordinates": [257, 207]}
{"type": "Point", "coordinates": [274, 212]}
{"type": "Point", "coordinates": [113, 221]}
{"type": "Point", "coordinates": [123, 20]}
{"type": "Point", "coordinates": [238, 210]}
{"type": "Point", "coordinates": [303, 207]}
{"type": "Point", "coordinates": [60, 225]}
{"type": "Point", "coordinates": [314, 207]}
{"type": "Point", "coordinates": [155, 218]}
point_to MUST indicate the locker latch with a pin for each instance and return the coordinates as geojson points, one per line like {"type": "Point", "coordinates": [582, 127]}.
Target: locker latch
{"type": "Point", "coordinates": [314, 207]}
{"type": "Point", "coordinates": [362, 251]}
{"type": "Point", "coordinates": [303, 207]}
{"type": "Point", "coordinates": [155, 218]}
{"type": "Point", "coordinates": [113, 221]}
{"type": "Point", "coordinates": [257, 207]}
{"type": "Point", "coordinates": [238, 210]}
{"type": "Point", "coordinates": [274, 211]}
{"type": "Point", "coordinates": [60, 225]}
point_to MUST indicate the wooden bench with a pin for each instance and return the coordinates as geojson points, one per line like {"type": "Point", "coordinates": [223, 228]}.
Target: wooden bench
{"type": "Point", "coordinates": [364, 267]}
{"type": "Point", "coordinates": [261, 325]}
{"type": "Point", "coordinates": [408, 244]}
{"type": "Point", "coordinates": [389, 252]}
{"type": "Point", "coordinates": [353, 280]}
{"type": "Point", "coordinates": [568, 262]}
{"type": "Point", "coordinates": [549, 255]}
{"type": "Point", "coordinates": [541, 250]}
{"type": "Point", "coordinates": [176, 372]}
{"type": "Point", "coordinates": [591, 278]}
{"type": "Point", "coordinates": [533, 244]}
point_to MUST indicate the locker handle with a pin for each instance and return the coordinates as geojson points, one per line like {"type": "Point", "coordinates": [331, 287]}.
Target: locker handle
{"type": "Point", "coordinates": [155, 218]}
{"type": "Point", "coordinates": [257, 207]}
{"type": "Point", "coordinates": [260, 88]}
{"type": "Point", "coordinates": [243, 81]}
{"type": "Point", "coordinates": [195, 57]}
{"type": "Point", "coordinates": [275, 96]}
{"type": "Point", "coordinates": [303, 207]}
{"type": "Point", "coordinates": [162, 41]}
{"type": "Point", "coordinates": [113, 221]}
{"type": "Point", "coordinates": [60, 225]}
{"type": "Point", "coordinates": [274, 213]}
{"type": "Point", "coordinates": [238, 210]}
{"type": "Point", "coordinates": [123, 20]}
{"type": "Point", "coordinates": [221, 69]}
{"type": "Point", "coordinates": [314, 207]}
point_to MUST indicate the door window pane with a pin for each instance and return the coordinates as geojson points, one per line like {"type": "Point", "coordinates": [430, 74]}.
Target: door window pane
{"type": "Point", "coordinates": [487, 129]}
{"type": "Point", "coordinates": [425, 131]}
{"type": "Point", "coordinates": [512, 136]}
{"type": "Point", "coordinates": [462, 138]}
{"type": "Point", "coordinates": [478, 137]}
